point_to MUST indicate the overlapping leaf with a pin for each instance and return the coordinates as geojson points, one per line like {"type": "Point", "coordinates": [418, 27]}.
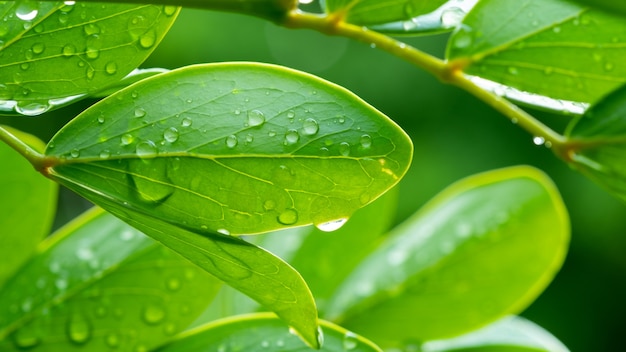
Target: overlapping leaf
{"type": "Point", "coordinates": [369, 12]}
{"type": "Point", "coordinates": [551, 48]}
{"type": "Point", "coordinates": [98, 285]}
{"type": "Point", "coordinates": [55, 52]}
{"type": "Point", "coordinates": [435, 277]}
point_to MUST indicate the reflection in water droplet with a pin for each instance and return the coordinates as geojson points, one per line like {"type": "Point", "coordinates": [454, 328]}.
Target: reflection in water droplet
{"type": "Point", "coordinates": [127, 139]}
{"type": "Point", "coordinates": [78, 329]}
{"type": "Point", "coordinates": [344, 148]}
{"type": "Point", "coordinates": [291, 137]}
{"type": "Point", "coordinates": [171, 135]}
{"type": "Point", "coordinates": [223, 232]}
{"type": "Point", "coordinates": [105, 154]}
{"type": "Point", "coordinates": [366, 141]}
{"type": "Point", "coordinates": [153, 315]}
{"type": "Point", "coordinates": [255, 118]}
{"type": "Point", "coordinates": [31, 108]}
{"type": "Point", "coordinates": [288, 217]}
{"type": "Point", "coordinates": [331, 225]}
{"type": "Point", "coordinates": [146, 150]}
{"type": "Point", "coordinates": [231, 141]}
{"type": "Point", "coordinates": [350, 341]}
{"type": "Point", "coordinates": [310, 127]}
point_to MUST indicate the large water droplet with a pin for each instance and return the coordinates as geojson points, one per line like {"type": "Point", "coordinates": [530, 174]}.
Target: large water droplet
{"type": "Point", "coordinates": [146, 149]}
{"type": "Point", "coordinates": [255, 118]}
{"type": "Point", "coordinates": [26, 10]}
{"type": "Point", "coordinates": [331, 225]}
{"type": "Point", "coordinates": [291, 137]}
{"type": "Point", "coordinates": [171, 135]}
{"type": "Point", "coordinates": [231, 141]}
{"type": "Point", "coordinates": [144, 173]}
{"type": "Point", "coordinates": [153, 314]}
{"type": "Point", "coordinates": [78, 329]}
{"type": "Point", "coordinates": [310, 127]}
{"type": "Point", "coordinates": [31, 108]}
{"type": "Point", "coordinates": [350, 341]}
{"type": "Point", "coordinates": [288, 217]}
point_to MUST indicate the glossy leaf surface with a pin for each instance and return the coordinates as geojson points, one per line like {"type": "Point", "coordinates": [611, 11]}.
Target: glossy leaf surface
{"type": "Point", "coordinates": [25, 195]}
{"type": "Point", "coordinates": [598, 143]}
{"type": "Point", "coordinates": [56, 52]}
{"type": "Point", "coordinates": [234, 148]}
{"type": "Point", "coordinates": [435, 276]}
{"type": "Point", "coordinates": [510, 334]}
{"type": "Point", "coordinates": [98, 285]}
{"type": "Point", "coordinates": [368, 12]}
{"type": "Point", "coordinates": [551, 48]}
{"type": "Point", "coordinates": [263, 332]}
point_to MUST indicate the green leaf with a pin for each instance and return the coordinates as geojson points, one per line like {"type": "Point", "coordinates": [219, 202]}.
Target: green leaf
{"type": "Point", "coordinates": [263, 332]}
{"type": "Point", "coordinates": [25, 195]}
{"type": "Point", "coordinates": [71, 50]}
{"type": "Point", "coordinates": [98, 285]}
{"type": "Point", "coordinates": [371, 12]}
{"type": "Point", "coordinates": [607, 5]}
{"type": "Point", "coordinates": [597, 143]}
{"type": "Point", "coordinates": [437, 275]}
{"type": "Point", "coordinates": [236, 148]}
{"type": "Point", "coordinates": [135, 76]}
{"type": "Point", "coordinates": [511, 334]}
{"type": "Point", "coordinates": [551, 48]}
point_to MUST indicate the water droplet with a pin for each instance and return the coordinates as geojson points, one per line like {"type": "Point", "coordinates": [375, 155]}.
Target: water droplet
{"type": "Point", "coordinates": [310, 127]}
{"type": "Point", "coordinates": [146, 150]}
{"type": "Point", "coordinates": [288, 217]}
{"type": "Point", "coordinates": [78, 329]}
{"type": "Point", "coordinates": [101, 119]}
{"type": "Point", "coordinates": [173, 284]}
{"type": "Point", "coordinates": [291, 114]}
{"type": "Point", "coordinates": [291, 137]}
{"type": "Point", "coordinates": [237, 111]}
{"type": "Point", "coordinates": [366, 141]}
{"type": "Point", "coordinates": [331, 225]}
{"type": "Point", "coordinates": [60, 284]}
{"type": "Point", "coordinates": [255, 118]}
{"type": "Point", "coordinates": [249, 138]}
{"type": "Point", "coordinates": [344, 148]}
{"type": "Point", "coordinates": [153, 315]}
{"type": "Point", "coordinates": [171, 135]}
{"type": "Point", "coordinates": [451, 17]}
{"type": "Point", "coordinates": [223, 232]}
{"type": "Point", "coordinates": [69, 50]}
{"type": "Point", "coordinates": [147, 40]}
{"type": "Point", "coordinates": [84, 253]}
{"type": "Point", "coordinates": [27, 305]}
{"type": "Point", "coordinates": [26, 10]}
{"type": "Point", "coordinates": [91, 29]}
{"type": "Point", "coordinates": [31, 108]}
{"type": "Point", "coordinates": [272, 133]}
{"type": "Point", "coordinates": [26, 338]}
{"type": "Point", "coordinates": [169, 10]}
{"type": "Point", "coordinates": [134, 94]}
{"type": "Point", "coordinates": [463, 38]}
{"type": "Point", "coordinates": [140, 112]}
{"type": "Point", "coordinates": [38, 48]}
{"type": "Point", "coordinates": [127, 139]}
{"type": "Point", "coordinates": [539, 140]}
{"type": "Point", "coordinates": [265, 344]}
{"type": "Point", "coordinates": [341, 120]}
{"type": "Point", "coordinates": [112, 340]}
{"type": "Point", "coordinates": [75, 153]}
{"type": "Point", "coordinates": [127, 235]}
{"type": "Point", "coordinates": [110, 68]}
{"type": "Point", "coordinates": [350, 341]}
{"type": "Point", "coordinates": [186, 122]}
{"type": "Point", "coordinates": [231, 141]}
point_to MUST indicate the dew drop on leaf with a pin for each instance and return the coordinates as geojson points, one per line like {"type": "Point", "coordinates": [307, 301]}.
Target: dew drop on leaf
{"type": "Point", "coordinates": [127, 139]}
{"type": "Point", "coordinates": [171, 135]}
{"type": "Point", "coordinates": [255, 118]}
{"type": "Point", "coordinates": [69, 50]}
{"type": "Point", "coordinates": [112, 340]}
{"type": "Point", "coordinates": [78, 329]}
{"type": "Point", "coordinates": [349, 341]}
{"type": "Point", "coordinates": [147, 40]}
{"type": "Point", "coordinates": [539, 140]}
{"type": "Point", "coordinates": [146, 150]}
{"type": "Point", "coordinates": [169, 10]}
{"type": "Point", "coordinates": [27, 10]}
{"type": "Point", "coordinates": [75, 153]}
{"type": "Point", "coordinates": [310, 127]}
{"type": "Point", "coordinates": [231, 141]}
{"type": "Point", "coordinates": [91, 29]}
{"type": "Point", "coordinates": [291, 137]}
{"type": "Point", "coordinates": [331, 225]}
{"type": "Point", "coordinates": [291, 114]}
{"type": "Point", "coordinates": [153, 314]}
{"type": "Point", "coordinates": [38, 48]}
{"type": "Point", "coordinates": [140, 112]}
{"type": "Point", "coordinates": [186, 122]}
{"type": "Point", "coordinates": [451, 17]}
{"type": "Point", "coordinates": [463, 38]}
{"type": "Point", "coordinates": [110, 68]}
{"type": "Point", "coordinates": [366, 141]}
{"type": "Point", "coordinates": [344, 148]}
{"type": "Point", "coordinates": [288, 217]}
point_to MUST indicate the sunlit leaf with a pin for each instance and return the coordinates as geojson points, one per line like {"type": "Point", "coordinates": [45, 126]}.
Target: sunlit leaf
{"type": "Point", "coordinates": [56, 52]}
{"type": "Point", "coordinates": [98, 285]}
{"type": "Point", "coordinates": [25, 195]}
{"type": "Point", "coordinates": [263, 332]}
{"type": "Point", "coordinates": [552, 48]}
{"type": "Point", "coordinates": [597, 143]}
{"type": "Point", "coordinates": [368, 12]}
{"type": "Point", "coordinates": [511, 334]}
{"type": "Point", "coordinates": [483, 249]}
{"type": "Point", "coordinates": [233, 148]}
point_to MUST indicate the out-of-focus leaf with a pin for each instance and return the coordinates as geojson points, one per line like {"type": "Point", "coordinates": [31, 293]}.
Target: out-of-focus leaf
{"type": "Point", "coordinates": [99, 285]}
{"type": "Point", "coordinates": [435, 277]}
{"type": "Point", "coordinates": [57, 52]}
{"type": "Point", "coordinates": [234, 148]}
{"type": "Point", "coordinates": [551, 48]}
{"type": "Point", "coordinates": [263, 332]}
{"type": "Point", "coordinates": [511, 334]}
{"type": "Point", "coordinates": [597, 143]}
{"type": "Point", "coordinates": [27, 207]}
{"type": "Point", "coordinates": [370, 12]}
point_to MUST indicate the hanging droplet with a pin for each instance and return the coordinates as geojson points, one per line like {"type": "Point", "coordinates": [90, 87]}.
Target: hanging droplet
{"type": "Point", "coordinates": [288, 217]}
{"type": "Point", "coordinates": [291, 137]}
{"type": "Point", "coordinates": [350, 341]}
{"type": "Point", "coordinates": [146, 150]}
{"type": "Point", "coordinates": [310, 127]}
{"type": "Point", "coordinates": [231, 141]}
{"type": "Point", "coordinates": [78, 329]}
{"type": "Point", "coordinates": [153, 315]}
{"type": "Point", "coordinates": [171, 135]}
{"type": "Point", "coordinates": [255, 118]}
{"type": "Point", "coordinates": [331, 226]}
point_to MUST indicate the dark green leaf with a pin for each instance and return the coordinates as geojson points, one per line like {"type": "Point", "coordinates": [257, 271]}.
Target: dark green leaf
{"type": "Point", "coordinates": [98, 285]}
{"type": "Point", "coordinates": [435, 277]}
{"type": "Point", "coordinates": [369, 12]}
{"type": "Point", "coordinates": [70, 50]}
{"type": "Point", "coordinates": [25, 195]}
{"type": "Point", "coordinates": [597, 143]}
{"type": "Point", "coordinates": [263, 332]}
{"type": "Point", "coordinates": [234, 148]}
{"type": "Point", "coordinates": [607, 5]}
{"type": "Point", "coordinates": [511, 334]}
{"type": "Point", "coordinates": [551, 48]}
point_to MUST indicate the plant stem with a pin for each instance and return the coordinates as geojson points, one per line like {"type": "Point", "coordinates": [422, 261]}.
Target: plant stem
{"type": "Point", "coordinates": [448, 72]}
{"type": "Point", "coordinates": [36, 159]}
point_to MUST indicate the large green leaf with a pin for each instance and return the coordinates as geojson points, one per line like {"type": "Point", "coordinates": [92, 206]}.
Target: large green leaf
{"type": "Point", "coordinates": [484, 248]}
{"type": "Point", "coordinates": [551, 48]}
{"type": "Point", "coordinates": [368, 12]}
{"type": "Point", "coordinates": [25, 195]}
{"type": "Point", "coordinates": [263, 332]}
{"type": "Point", "coordinates": [597, 143]}
{"type": "Point", "coordinates": [56, 52]}
{"type": "Point", "coordinates": [99, 285]}
{"type": "Point", "coordinates": [236, 148]}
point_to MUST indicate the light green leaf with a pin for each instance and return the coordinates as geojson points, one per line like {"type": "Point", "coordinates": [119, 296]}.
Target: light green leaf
{"type": "Point", "coordinates": [236, 148]}
{"type": "Point", "coordinates": [511, 334]}
{"type": "Point", "coordinates": [551, 48]}
{"type": "Point", "coordinates": [371, 12]}
{"type": "Point", "coordinates": [263, 332]}
{"type": "Point", "coordinates": [597, 143]}
{"type": "Point", "coordinates": [435, 277]}
{"type": "Point", "coordinates": [25, 195]}
{"type": "Point", "coordinates": [98, 285]}
{"type": "Point", "coordinates": [70, 50]}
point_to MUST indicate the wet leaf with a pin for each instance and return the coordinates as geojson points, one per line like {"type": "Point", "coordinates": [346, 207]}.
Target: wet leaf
{"type": "Point", "coordinates": [435, 276]}
{"type": "Point", "coordinates": [369, 12]}
{"type": "Point", "coordinates": [25, 195]}
{"type": "Point", "coordinates": [67, 51]}
{"type": "Point", "coordinates": [263, 332]}
{"type": "Point", "coordinates": [550, 48]}
{"type": "Point", "coordinates": [97, 285]}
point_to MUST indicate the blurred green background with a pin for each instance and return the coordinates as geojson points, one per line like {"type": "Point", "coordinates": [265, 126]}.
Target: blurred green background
{"type": "Point", "coordinates": [455, 135]}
